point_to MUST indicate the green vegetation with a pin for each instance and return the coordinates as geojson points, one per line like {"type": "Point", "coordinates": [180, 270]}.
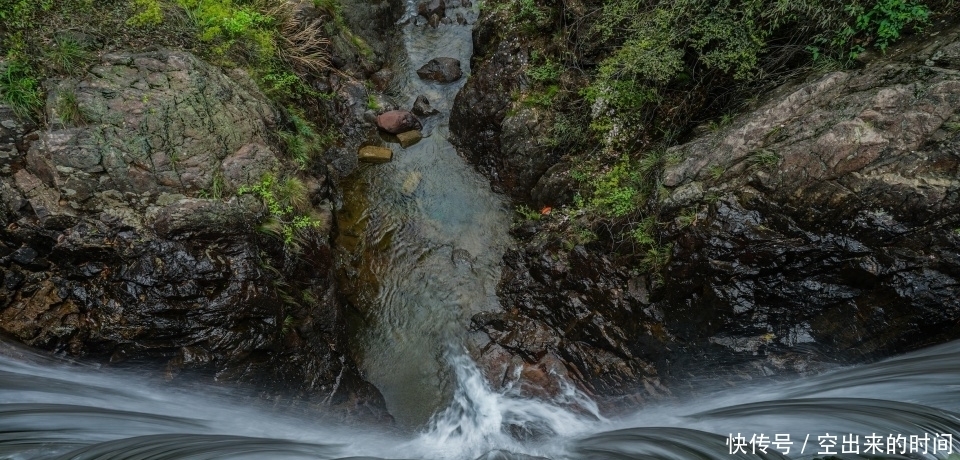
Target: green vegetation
{"type": "Point", "coordinates": [303, 143]}
{"type": "Point", "coordinates": [149, 14]}
{"type": "Point", "coordinates": [69, 109]}
{"type": "Point", "coordinates": [286, 202]}
{"type": "Point", "coordinates": [624, 80]}
{"type": "Point", "coordinates": [66, 55]}
{"type": "Point", "coordinates": [20, 88]}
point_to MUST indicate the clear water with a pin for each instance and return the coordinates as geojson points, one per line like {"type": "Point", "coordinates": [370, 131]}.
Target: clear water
{"type": "Point", "coordinates": [423, 237]}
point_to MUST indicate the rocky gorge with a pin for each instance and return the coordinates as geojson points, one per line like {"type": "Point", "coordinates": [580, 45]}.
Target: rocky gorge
{"type": "Point", "coordinates": [157, 216]}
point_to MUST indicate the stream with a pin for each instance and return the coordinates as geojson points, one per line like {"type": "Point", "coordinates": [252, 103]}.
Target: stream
{"type": "Point", "coordinates": [422, 239]}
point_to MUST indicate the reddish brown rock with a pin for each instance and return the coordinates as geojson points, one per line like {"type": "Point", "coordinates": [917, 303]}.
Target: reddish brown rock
{"type": "Point", "coordinates": [398, 121]}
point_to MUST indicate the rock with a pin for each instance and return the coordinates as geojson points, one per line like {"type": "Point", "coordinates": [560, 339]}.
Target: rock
{"type": "Point", "coordinates": [382, 78]}
{"type": "Point", "coordinates": [460, 19]}
{"type": "Point", "coordinates": [446, 21]}
{"type": "Point", "coordinates": [409, 138]}
{"type": "Point", "coordinates": [133, 244]}
{"type": "Point", "coordinates": [434, 21]}
{"type": "Point", "coordinates": [466, 3]}
{"type": "Point", "coordinates": [503, 139]}
{"type": "Point", "coordinates": [423, 108]}
{"type": "Point", "coordinates": [442, 69]}
{"type": "Point", "coordinates": [432, 7]}
{"type": "Point", "coordinates": [375, 154]}
{"type": "Point", "coordinates": [411, 183]}
{"type": "Point", "coordinates": [247, 166]}
{"type": "Point", "coordinates": [398, 121]}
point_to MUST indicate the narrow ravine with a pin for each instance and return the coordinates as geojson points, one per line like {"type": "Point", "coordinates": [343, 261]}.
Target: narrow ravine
{"type": "Point", "coordinates": [423, 237]}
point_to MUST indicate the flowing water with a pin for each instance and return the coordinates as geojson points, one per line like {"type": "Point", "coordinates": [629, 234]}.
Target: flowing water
{"type": "Point", "coordinates": [424, 236]}
{"type": "Point", "coordinates": [45, 412]}
{"type": "Point", "coordinates": [422, 239]}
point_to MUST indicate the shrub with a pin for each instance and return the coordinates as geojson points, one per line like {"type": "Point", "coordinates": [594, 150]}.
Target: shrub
{"type": "Point", "coordinates": [149, 14]}
{"type": "Point", "coordinates": [283, 200]}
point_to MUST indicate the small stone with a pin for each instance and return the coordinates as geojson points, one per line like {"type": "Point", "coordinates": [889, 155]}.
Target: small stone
{"type": "Point", "coordinates": [466, 3]}
{"type": "Point", "coordinates": [374, 154]}
{"type": "Point", "coordinates": [434, 21]}
{"type": "Point", "coordinates": [423, 108]}
{"type": "Point", "coordinates": [411, 183]}
{"type": "Point", "coordinates": [409, 138]}
{"type": "Point", "coordinates": [460, 19]}
{"type": "Point", "coordinates": [446, 20]}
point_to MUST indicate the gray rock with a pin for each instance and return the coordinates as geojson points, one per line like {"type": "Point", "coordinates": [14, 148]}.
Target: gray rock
{"type": "Point", "coordinates": [430, 8]}
{"type": "Point", "coordinates": [423, 108]}
{"type": "Point", "coordinates": [442, 69]}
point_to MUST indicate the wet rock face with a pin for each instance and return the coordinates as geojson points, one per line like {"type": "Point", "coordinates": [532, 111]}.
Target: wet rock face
{"type": "Point", "coordinates": [503, 138]}
{"type": "Point", "coordinates": [837, 213]}
{"type": "Point", "coordinates": [822, 226]}
{"type": "Point", "coordinates": [108, 250]}
{"type": "Point", "coordinates": [441, 69]}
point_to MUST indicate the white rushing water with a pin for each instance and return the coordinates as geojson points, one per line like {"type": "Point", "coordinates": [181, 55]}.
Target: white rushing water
{"type": "Point", "coordinates": [56, 409]}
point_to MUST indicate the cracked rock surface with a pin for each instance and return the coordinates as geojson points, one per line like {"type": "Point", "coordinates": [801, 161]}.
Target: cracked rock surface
{"type": "Point", "coordinates": [123, 238]}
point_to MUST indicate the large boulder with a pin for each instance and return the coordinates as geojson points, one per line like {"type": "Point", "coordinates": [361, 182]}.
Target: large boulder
{"type": "Point", "coordinates": [123, 237]}
{"type": "Point", "coordinates": [503, 138]}
{"type": "Point", "coordinates": [441, 69]}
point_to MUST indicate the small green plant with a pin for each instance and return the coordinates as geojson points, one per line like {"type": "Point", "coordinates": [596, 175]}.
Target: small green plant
{"type": "Point", "coordinates": [716, 172]}
{"type": "Point", "coordinates": [20, 88]}
{"type": "Point", "coordinates": [618, 192]}
{"type": "Point", "coordinates": [66, 55]}
{"type": "Point", "coordinates": [688, 217]}
{"type": "Point", "coordinates": [68, 108]}
{"type": "Point", "coordinates": [282, 200]}
{"type": "Point", "coordinates": [547, 72]}
{"type": "Point", "coordinates": [289, 322]}
{"type": "Point", "coordinates": [952, 126]}
{"type": "Point", "coordinates": [304, 143]}
{"type": "Point", "coordinates": [148, 15]}
{"type": "Point", "coordinates": [527, 213]}
{"type": "Point", "coordinates": [764, 159]}
{"type": "Point", "coordinates": [542, 98]}
{"type": "Point", "coordinates": [372, 103]}
{"type": "Point", "coordinates": [643, 233]}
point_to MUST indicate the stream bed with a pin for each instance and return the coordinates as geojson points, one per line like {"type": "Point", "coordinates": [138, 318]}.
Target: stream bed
{"type": "Point", "coordinates": [422, 239]}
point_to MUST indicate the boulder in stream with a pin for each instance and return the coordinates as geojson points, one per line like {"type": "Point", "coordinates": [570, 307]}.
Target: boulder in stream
{"type": "Point", "coordinates": [398, 121]}
{"type": "Point", "coordinates": [409, 138]}
{"type": "Point", "coordinates": [375, 154]}
{"type": "Point", "coordinates": [432, 7]}
{"type": "Point", "coordinates": [423, 108]}
{"type": "Point", "coordinates": [441, 69]}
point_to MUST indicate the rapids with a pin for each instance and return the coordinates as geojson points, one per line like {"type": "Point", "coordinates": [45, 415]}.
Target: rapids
{"type": "Point", "coordinates": [57, 409]}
